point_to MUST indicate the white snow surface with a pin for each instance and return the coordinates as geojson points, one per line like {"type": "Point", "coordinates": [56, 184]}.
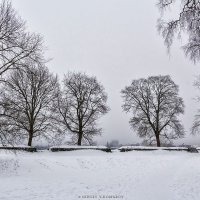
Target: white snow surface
{"type": "Point", "coordinates": [135, 175]}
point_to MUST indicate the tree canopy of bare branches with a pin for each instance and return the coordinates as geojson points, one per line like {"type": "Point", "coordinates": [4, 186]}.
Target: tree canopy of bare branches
{"type": "Point", "coordinates": [155, 105]}
{"type": "Point", "coordinates": [80, 104]}
{"type": "Point", "coordinates": [187, 22]}
{"type": "Point", "coordinates": [26, 102]}
{"type": "Point", "coordinates": [16, 44]}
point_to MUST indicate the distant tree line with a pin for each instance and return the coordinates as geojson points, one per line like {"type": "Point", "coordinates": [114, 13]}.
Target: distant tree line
{"type": "Point", "coordinates": [34, 104]}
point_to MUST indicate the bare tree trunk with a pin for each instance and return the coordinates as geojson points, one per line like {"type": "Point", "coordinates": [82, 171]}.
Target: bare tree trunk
{"type": "Point", "coordinates": [80, 134]}
{"type": "Point", "coordinates": [30, 136]}
{"type": "Point", "coordinates": [157, 139]}
{"type": "Point", "coordinates": [30, 139]}
{"type": "Point", "coordinates": [80, 138]}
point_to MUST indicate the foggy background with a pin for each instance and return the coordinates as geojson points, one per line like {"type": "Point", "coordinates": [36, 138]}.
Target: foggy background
{"type": "Point", "coordinates": [116, 41]}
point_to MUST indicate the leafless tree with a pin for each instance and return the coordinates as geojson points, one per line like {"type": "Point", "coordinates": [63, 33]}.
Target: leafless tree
{"type": "Point", "coordinates": [187, 22]}
{"type": "Point", "coordinates": [26, 102]}
{"type": "Point", "coordinates": [155, 105]}
{"type": "Point", "coordinates": [80, 104]}
{"type": "Point", "coordinates": [16, 44]}
{"type": "Point", "coordinates": [196, 124]}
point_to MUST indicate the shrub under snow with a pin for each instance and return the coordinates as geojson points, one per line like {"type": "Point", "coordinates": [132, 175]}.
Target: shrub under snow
{"type": "Point", "coordinates": [144, 148]}
{"type": "Point", "coordinates": [73, 148]}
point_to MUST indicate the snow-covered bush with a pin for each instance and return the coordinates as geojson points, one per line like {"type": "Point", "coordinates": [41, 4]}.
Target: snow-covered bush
{"type": "Point", "coordinates": [73, 148]}
{"type": "Point", "coordinates": [19, 148]}
{"type": "Point", "coordinates": [144, 148]}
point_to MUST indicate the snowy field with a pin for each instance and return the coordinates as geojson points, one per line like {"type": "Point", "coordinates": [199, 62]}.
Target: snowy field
{"type": "Point", "coordinates": [90, 174]}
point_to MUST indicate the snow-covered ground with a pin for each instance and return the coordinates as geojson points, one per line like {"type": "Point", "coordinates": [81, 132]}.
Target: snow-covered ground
{"type": "Point", "coordinates": [153, 175]}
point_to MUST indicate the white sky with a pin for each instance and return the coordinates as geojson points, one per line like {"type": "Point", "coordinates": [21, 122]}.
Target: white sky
{"type": "Point", "coordinates": [116, 41]}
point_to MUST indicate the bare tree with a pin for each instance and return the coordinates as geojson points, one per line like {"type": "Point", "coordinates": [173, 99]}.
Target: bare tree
{"type": "Point", "coordinates": [16, 44]}
{"type": "Point", "coordinates": [155, 105]}
{"type": "Point", "coordinates": [187, 22]}
{"type": "Point", "coordinates": [26, 102]}
{"type": "Point", "coordinates": [81, 103]}
{"type": "Point", "coordinates": [196, 124]}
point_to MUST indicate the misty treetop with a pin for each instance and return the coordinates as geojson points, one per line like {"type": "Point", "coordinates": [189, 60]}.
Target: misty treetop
{"type": "Point", "coordinates": [155, 105]}
{"type": "Point", "coordinates": [187, 22]}
{"type": "Point", "coordinates": [196, 123]}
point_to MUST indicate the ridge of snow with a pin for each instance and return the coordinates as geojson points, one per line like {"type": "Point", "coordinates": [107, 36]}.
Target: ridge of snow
{"type": "Point", "coordinates": [153, 148]}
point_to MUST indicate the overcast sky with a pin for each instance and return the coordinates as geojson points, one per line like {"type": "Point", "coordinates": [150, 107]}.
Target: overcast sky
{"type": "Point", "coordinates": [116, 41]}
